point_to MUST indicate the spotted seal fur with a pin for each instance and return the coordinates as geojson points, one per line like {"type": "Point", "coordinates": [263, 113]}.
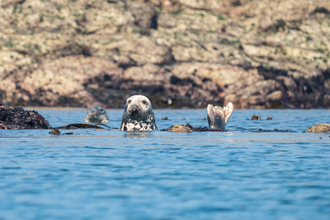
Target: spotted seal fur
{"type": "Point", "coordinates": [218, 117]}
{"type": "Point", "coordinates": [97, 115]}
{"type": "Point", "coordinates": [138, 115]}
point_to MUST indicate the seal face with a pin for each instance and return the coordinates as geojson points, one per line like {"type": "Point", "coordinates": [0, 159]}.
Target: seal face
{"type": "Point", "coordinates": [97, 115]}
{"type": "Point", "coordinates": [138, 115]}
{"type": "Point", "coordinates": [218, 117]}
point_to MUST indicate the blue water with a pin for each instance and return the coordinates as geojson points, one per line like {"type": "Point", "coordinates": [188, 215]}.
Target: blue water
{"type": "Point", "coordinates": [109, 174]}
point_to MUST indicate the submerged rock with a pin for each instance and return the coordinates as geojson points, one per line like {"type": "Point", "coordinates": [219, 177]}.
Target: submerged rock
{"type": "Point", "coordinates": [18, 118]}
{"type": "Point", "coordinates": [319, 128]}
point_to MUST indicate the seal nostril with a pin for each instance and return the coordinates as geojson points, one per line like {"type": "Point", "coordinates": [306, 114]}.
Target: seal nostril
{"type": "Point", "coordinates": [134, 108]}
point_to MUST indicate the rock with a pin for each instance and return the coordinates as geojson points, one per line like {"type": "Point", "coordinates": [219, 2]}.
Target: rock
{"type": "Point", "coordinates": [18, 118]}
{"type": "Point", "coordinates": [145, 16]}
{"type": "Point", "coordinates": [179, 53]}
{"type": "Point", "coordinates": [179, 128]}
{"type": "Point", "coordinates": [274, 96]}
{"type": "Point", "coordinates": [319, 128]}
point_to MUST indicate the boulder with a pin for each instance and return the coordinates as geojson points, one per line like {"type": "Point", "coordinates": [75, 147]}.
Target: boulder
{"type": "Point", "coordinates": [319, 128]}
{"type": "Point", "coordinates": [18, 118]}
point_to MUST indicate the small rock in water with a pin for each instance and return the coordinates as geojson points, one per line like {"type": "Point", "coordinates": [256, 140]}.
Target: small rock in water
{"type": "Point", "coordinates": [319, 128]}
{"type": "Point", "coordinates": [204, 119]}
{"type": "Point", "coordinates": [179, 128]}
{"type": "Point", "coordinates": [269, 118]}
{"type": "Point", "coordinates": [255, 117]}
{"type": "Point", "coordinates": [55, 131]}
{"type": "Point", "coordinates": [166, 118]}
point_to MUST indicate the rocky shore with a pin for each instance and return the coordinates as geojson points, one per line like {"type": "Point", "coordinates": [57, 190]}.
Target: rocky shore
{"type": "Point", "coordinates": [255, 54]}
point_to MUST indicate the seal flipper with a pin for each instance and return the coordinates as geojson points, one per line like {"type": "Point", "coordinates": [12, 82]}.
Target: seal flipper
{"type": "Point", "coordinates": [227, 111]}
{"type": "Point", "coordinates": [215, 117]}
{"type": "Point", "coordinates": [218, 117]}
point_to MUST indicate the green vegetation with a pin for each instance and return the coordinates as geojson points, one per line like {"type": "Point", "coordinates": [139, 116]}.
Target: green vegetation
{"type": "Point", "coordinates": [234, 42]}
{"type": "Point", "coordinates": [274, 30]}
{"type": "Point", "coordinates": [281, 23]}
{"type": "Point", "coordinates": [15, 8]}
{"type": "Point", "coordinates": [9, 43]}
{"type": "Point", "coordinates": [308, 38]}
{"type": "Point", "coordinates": [220, 17]}
{"type": "Point", "coordinates": [177, 12]}
{"type": "Point", "coordinates": [58, 7]}
{"type": "Point", "coordinates": [36, 47]}
{"type": "Point", "coordinates": [193, 31]}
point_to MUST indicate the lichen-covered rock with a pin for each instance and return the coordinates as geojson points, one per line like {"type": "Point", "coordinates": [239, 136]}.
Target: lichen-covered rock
{"type": "Point", "coordinates": [18, 118]}
{"type": "Point", "coordinates": [184, 52]}
{"type": "Point", "coordinates": [319, 128]}
{"type": "Point", "coordinates": [179, 128]}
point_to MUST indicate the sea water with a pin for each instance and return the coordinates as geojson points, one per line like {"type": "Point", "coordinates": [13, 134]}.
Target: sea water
{"type": "Point", "coordinates": [242, 173]}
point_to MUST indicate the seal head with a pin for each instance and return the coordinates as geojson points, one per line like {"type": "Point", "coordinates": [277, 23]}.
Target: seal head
{"type": "Point", "coordinates": [218, 117]}
{"type": "Point", "coordinates": [138, 115]}
{"type": "Point", "coordinates": [97, 115]}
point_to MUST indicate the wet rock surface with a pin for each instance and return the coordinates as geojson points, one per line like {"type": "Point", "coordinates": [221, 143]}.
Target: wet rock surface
{"type": "Point", "coordinates": [319, 128]}
{"type": "Point", "coordinates": [188, 128]}
{"type": "Point", "coordinates": [255, 54]}
{"type": "Point", "coordinates": [18, 118]}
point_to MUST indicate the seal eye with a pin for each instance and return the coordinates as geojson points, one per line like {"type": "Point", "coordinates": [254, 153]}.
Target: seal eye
{"type": "Point", "coordinates": [129, 101]}
{"type": "Point", "coordinates": [144, 102]}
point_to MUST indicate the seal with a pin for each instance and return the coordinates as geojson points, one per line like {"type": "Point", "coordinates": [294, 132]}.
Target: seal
{"type": "Point", "coordinates": [138, 115]}
{"type": "Point", "coordinates": [218, 117]}
{"type": "Point", "coordinates": [97, 115]}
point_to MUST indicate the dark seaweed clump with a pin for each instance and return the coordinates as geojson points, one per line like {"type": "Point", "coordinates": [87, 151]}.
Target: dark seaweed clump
{"type": "Point", "coordinates": [18, 118]}
{"type": "Point", "coordinates": [275, 130]}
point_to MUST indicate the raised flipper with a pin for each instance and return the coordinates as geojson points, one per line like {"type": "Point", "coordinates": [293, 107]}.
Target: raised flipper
{"type": "Point", "coordinates": [218, 117]}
